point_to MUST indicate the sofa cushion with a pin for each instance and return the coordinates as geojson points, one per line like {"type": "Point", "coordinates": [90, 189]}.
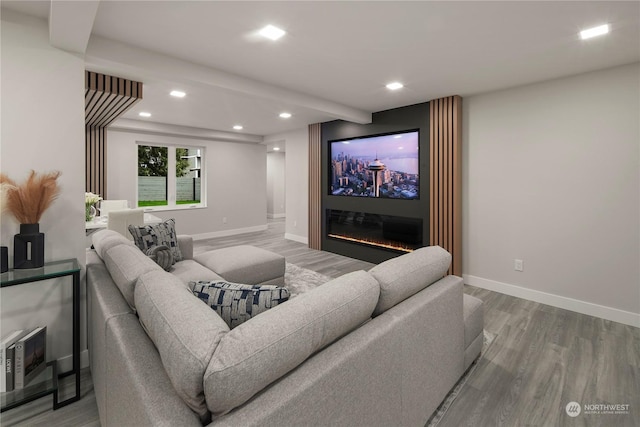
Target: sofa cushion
{"type": "Point", "coordinates": [190, 271]}
{"type": "Point", "coordinates": [164, 233]}
{"type": "Point", "coordinates": [125, 264]}
{"type": "Point", "coordinates": [263, 349]}
{"type": "Point", "coordinates": [237, 303]}
{"type": "Point", "coordinates": [162, 256]}
{"type": "Point", "coordinates": [104, 240]}
{"type": "Point", "coordinates": [244, 264]}
{"type": "Point", "coordinates": [408, 274]}
{"type": "Point", "coordinates": [184, 330]}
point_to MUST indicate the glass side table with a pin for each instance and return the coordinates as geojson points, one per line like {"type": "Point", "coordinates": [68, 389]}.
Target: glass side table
{"type": "Point", "coordinates": [47, 382]}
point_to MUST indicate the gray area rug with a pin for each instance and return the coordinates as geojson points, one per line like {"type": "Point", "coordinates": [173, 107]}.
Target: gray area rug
{"type": "Point", "coordinates": [300, 280]}
{"type": "Point", "coordinates": [439, 414]}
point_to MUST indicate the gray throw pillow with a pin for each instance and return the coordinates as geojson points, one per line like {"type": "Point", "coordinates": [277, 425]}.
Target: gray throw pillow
{"type": "Point", "coordinates": [237, 303]}
{"type": "Point", "coordinates": [147, 236]}
{"type": "Point", "coordinates": [161, 255]}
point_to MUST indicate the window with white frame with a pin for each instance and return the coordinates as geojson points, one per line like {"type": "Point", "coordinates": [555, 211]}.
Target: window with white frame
{"type": "Point", "coordinates": [170, 176]}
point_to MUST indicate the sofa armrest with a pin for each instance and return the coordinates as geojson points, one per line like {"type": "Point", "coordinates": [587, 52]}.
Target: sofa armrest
{"type": "Point", "coordinates": [104, 301]}
{"type": "Point", "coordinates": [185, 243]}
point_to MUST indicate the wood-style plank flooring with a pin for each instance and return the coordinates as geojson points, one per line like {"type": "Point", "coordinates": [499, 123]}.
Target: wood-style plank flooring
{"type": "Point", "coordinates": [541, 359]}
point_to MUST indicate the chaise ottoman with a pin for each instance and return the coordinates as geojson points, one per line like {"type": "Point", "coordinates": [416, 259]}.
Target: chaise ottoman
{"type": "Point", "coordinates": [245, 264]}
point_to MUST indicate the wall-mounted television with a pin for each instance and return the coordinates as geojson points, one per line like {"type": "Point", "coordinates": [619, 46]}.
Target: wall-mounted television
{"type": "Point", "coordinates": [383, 166]}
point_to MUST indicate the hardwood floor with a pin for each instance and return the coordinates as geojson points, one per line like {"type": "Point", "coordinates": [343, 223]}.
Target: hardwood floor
{"type": "Point", "coordinates": [541, 358]}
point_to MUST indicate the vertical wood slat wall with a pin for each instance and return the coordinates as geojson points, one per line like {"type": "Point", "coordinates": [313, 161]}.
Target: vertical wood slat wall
{"type": "Point", "coordinates": [96, 160]}
{"type": "Point", "coordinates": [445, 169]}
{"type": "Point", "coordinates": [315, 186]}
{"type": "Point", "coordinates": [106, 98]}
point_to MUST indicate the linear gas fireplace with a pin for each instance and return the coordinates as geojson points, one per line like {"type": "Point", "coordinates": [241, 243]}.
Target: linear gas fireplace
{"type": "Point", "coordinates": [380, 232]}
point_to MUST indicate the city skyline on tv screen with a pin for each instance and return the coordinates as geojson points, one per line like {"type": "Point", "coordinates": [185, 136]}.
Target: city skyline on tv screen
{"type": "Point", "coordinates": [385, 166]}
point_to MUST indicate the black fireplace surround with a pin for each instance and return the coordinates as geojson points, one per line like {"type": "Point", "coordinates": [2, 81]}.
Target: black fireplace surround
{"type": "Point", "coordinates": [376, 229]}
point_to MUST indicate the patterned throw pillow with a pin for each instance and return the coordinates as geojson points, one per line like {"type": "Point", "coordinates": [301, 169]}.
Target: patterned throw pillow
{"type": "Point", "coordinates": [147, 236]}
{"type": "Point", "coordinates": [162, 256]}
{"type": "Point", "coordinates": [237, 303]}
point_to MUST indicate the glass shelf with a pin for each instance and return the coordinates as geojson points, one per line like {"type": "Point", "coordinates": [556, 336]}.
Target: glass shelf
{"type": "Point", "coordinates": [44, 384]}
{"type": "Point", "coordinates": [47, 382]}
{"type": "Point", "coordinates": [50, 270]}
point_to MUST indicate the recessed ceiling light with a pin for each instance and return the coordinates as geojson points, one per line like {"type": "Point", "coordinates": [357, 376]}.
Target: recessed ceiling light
{"type": "Point", "coordinates": [177, 93]}
{"type": "Point", "coordinates": [144, 114]}
{"type": "Point", "coordinates": [595, 31]}
{"type": "Point", "coordinates": [237, 127]}
{"type": "Point", "coordinates": [276, 148]}
{"type": "Point", "coordinates": [285, 115]}
{"type": "Point", "coordinates": [395, 86]}
{"type": "Point", "coordinates": [272, 32]}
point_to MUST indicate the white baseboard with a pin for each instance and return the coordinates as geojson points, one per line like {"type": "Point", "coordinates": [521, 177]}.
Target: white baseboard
{"type": "Point", "coordinates": [65, 363]}
{"type": "Point", "coordinates": [225, 233]}
{"type": "Point", "coordinates": [296, 238]}
{"type": "Point", "coordinates": [276, 215]}
{"type": "Point", "coordinates": [609, 313]}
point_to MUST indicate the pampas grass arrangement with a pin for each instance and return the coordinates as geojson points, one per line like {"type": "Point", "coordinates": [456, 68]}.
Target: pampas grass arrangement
{"type": "Point", "coordinates": [28, 201]}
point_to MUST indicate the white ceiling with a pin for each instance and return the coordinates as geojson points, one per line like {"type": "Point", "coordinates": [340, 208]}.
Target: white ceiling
{"type": "Point", "coordinates": [337, 56]}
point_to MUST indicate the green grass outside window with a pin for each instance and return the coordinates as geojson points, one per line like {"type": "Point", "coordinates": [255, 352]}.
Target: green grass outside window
{"type": "Point", "coordinates": [143, 203]}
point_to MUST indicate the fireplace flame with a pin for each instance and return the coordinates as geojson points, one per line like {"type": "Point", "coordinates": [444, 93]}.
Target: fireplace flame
{"type": "Point", "coordinates": [372, 242]}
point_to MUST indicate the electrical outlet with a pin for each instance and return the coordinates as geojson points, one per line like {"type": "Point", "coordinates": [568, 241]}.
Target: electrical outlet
{"type": "Point", "coordinates": [518, 265]}
{"type": "Point", "coordinates": [224, 219]}
{"type": "Point", "coordinates": [295, 223]}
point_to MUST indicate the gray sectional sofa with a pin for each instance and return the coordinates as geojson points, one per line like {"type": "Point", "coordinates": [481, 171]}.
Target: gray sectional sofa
{"type": "Point", "coordinates": [375, 348]}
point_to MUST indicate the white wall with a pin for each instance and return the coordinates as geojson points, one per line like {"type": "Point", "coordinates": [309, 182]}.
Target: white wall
{"type": "Point", "coordinates": [43, 130]}
{"type": "Point", "coordinates": [297, 182]}
{"type": "Point", "coordinates": [551, 176]}
{"type": "Point", "coordinates": [276, 185]}
{"type": "Point", "coordinates": [234, 183]}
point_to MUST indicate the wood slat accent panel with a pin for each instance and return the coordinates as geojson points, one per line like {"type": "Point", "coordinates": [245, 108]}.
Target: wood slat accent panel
{"type": "Point", "coordinates": [96, 159]}
{"type": "Point", "coordinates": [106, 98]}
{"type": "Point", "coordinates": [315, 186]}
{"type": "Point", "coordinates": [445, 176]}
